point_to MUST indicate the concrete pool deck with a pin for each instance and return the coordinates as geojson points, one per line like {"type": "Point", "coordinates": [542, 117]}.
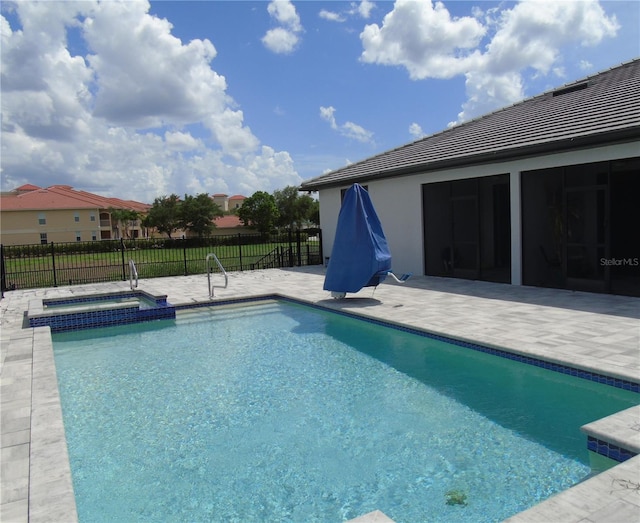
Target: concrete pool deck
{"type": "Point", "coordinates": [595, 332]}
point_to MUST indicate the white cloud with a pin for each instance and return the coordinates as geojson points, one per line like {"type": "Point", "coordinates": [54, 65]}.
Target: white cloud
{"type": "Point", "coordinates": [585, 65]}
{"type": "Point", "coordinates": [492, 49]}
{"type": "Point", "coordinates": [327, 113]}
{"type": "Point", "coordinates": [285, 13]}
{"type": "Point", "coordinates": [356, 132]}
{"type": "Point", "coordinates": [331, 16]}
{"type": "Point", "coordinates": [280, 40]}
{"type": "Point", "coordinates": [365, 7]}
{"type": "Point", "coordinates": [283, 39]}
{"type": "Point", "coordinates": [424, 39]}
{"type": "Point", "coordinates": [531, 36]}
{"type": "Point", "coordinates": [347, 129]}
{"type": "Point", "coordinates": [163, 81]}
{"type": "Point", "coordinates": [179, 141]}
{"type": "Point", "coordinates": [533, 32]}
{"type": "Point", "coordinates": [361, 10]}
{"type": "Point", "coordinates": [120, 122]}
{"type": "Point", "coordinates": [416, 131]}
{"type": "Point", "coordinates": [485, 91]}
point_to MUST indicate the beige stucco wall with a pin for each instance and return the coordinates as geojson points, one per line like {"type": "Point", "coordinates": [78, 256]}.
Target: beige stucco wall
{"type": "Point", "coordinates": [22, 227]}
{"type": "Point", "coordinates": [222, 202]}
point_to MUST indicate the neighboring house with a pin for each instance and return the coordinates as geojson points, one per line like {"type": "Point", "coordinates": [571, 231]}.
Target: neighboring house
{"type": "Point", "coordinates": [230, 224]}
{"type": "Point", "coordinates": [543, 193]}
{"type": "Point", "coordinates": [236, 201]}
{"type": "Point", "coordinates": [228, 203]}
{"type": "Point", "coordinates": [221, 200]}
{"type": "Point", "coordinates": [59, 213]}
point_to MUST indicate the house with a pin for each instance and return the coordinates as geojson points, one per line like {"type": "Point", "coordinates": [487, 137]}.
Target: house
{"type": "Point", "coordinates": [230, 224]}
{"type": "Point", "coordinates": [236, 201]}
{"type": "Point", "coordinates": [60, 213]}
{"type": "Point", "coordinates": [228, 203]}
{"type": "Point", "coordinates": [541, 193]}
{"type": "Point", "coordinates": [221, 200]}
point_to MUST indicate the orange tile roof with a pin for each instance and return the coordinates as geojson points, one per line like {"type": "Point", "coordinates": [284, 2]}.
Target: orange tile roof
{"type": "Point", "coordinates": [228, 221]}
{"type": "Point", "coordinates": [28, 187]}
{"type": "Point", "coordinates": [237, 197]}
{"type": "Point", "coordinates": [62, 197]}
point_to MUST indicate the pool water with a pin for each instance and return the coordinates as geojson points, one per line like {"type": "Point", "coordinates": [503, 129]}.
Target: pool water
{"type": "Point", "coordinates": [61, 306]}
{"type": "Point", "coordinates": [279, 412]}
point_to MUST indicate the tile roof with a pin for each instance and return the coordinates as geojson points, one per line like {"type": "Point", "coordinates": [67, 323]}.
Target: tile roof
{"type": "Point", "coordinates": [27, 187]}
{"type": "Point", "coordinates": [598, 109]}
{"type": "Point", "coordinates": [30, 197]}
{"type": "Point", "coordinates": [228, 221]}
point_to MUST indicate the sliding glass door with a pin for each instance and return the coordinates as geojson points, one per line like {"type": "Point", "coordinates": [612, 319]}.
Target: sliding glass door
{"type": "Point", "coordinates": [580, 227]}
{"type": "Point", "coordinates": [467, 231]}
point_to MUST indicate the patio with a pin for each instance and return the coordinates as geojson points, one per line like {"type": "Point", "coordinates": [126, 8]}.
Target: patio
{"type": "Point", "coordinates": [593, 332]}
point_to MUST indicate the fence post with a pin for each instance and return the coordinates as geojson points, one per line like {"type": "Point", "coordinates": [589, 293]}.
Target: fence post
{"type": "Point", "coordinates": [124, 270]}
{"type": "Point", "coordinates": [299, 248]}
{"type": "Point", "coordinates": [320, 246]}
{"type": "Point", "coordinates": [184, 254]}
{"type": "Point", "coordinates": [3, 272]}
{"type": "Point", "coordinates": [53, 265]}
{"type": "Point", "coordinates": [240, 250]}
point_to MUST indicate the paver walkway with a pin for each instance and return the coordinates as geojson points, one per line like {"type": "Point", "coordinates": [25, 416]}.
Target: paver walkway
{"type": "Point", "coordinates": [588, 331]}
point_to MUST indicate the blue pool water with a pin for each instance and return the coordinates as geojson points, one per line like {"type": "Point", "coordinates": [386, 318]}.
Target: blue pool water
{"type": "Point", "coordinates": [279, 412]}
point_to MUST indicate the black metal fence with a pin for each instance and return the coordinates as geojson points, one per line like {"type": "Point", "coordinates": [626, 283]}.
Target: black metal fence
{"type": "Point", "coordinates": [54, 264]}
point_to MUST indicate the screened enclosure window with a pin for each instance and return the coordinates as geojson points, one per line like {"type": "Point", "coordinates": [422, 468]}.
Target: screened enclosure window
{"type": "Point", "coordinates": [579, 227]}
{"type": "Point", "coordinates": [344, 191]}
{"type": "Point", "coordinates": [467, 228]}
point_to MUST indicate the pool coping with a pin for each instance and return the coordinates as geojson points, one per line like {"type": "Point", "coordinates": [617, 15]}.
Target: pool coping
{"type": "Point", "coordinates": [39, 444]}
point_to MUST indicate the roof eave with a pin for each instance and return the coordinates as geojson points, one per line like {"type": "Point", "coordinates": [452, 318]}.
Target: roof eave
{"type": "Point", "coordinates": [557, 146]}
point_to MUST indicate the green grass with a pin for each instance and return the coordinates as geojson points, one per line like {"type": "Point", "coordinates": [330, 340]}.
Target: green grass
{"type": "Point", "coordinates": [92, 267]}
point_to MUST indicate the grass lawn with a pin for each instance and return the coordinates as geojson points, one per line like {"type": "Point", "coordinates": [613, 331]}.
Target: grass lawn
{"type": "Point", "coordinates": [48, 270]}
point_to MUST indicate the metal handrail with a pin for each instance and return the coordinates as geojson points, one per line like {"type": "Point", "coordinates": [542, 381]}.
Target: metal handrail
{"type": "Point", "coordinates": [209, 271]}
{"type": "Point", "coordinates": [133, 275]}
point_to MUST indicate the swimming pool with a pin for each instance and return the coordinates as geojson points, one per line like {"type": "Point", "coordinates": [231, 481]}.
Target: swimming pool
{"type": "Point", "coordinates": [284, 413]}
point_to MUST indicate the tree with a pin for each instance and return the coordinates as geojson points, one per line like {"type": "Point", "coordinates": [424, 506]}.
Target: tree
{"type": "Point", "coordinates": [124, 218]}
{"type": "Point", "coordinates": [164, 215]}
{"type": "Point", "coordinates": [260, 211]}
{"type": "Point", "coordinates": [314, 213]}
{"type": "Point", "coordinates": [294, 208]}
{"type": "Point", "coordinates": [291, 206]}
{"type": "Point", "coordinates": [197, 213]}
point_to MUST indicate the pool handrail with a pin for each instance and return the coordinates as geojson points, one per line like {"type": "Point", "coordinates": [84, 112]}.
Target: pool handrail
{"type": "Point", "coordinates": [209, 271]}
{"type": "Point", "coordinates": [133, 275]}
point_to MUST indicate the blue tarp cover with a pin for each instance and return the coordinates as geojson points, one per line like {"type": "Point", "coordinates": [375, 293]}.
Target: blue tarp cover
{"type": "Point", "coordinates": [360, 256]}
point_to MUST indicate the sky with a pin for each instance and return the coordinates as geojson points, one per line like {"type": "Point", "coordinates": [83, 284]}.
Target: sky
{"type": "Point", "coordinates": [138, 100]}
